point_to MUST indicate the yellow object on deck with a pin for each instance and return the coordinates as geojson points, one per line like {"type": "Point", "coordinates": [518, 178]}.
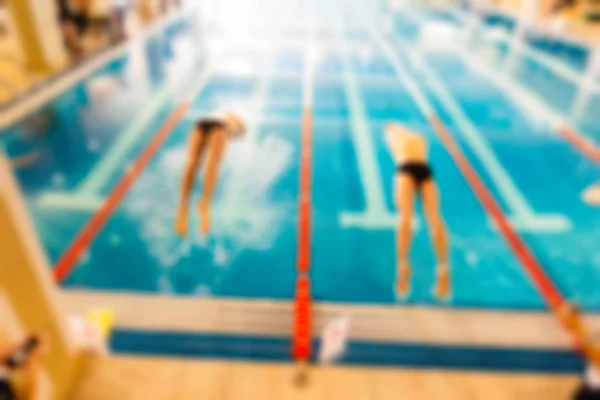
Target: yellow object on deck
{"type": "Point", "coordinates": [104, 318]}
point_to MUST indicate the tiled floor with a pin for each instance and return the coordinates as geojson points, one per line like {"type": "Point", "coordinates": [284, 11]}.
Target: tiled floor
{"type": "Point", "coordinates": [126, 378]}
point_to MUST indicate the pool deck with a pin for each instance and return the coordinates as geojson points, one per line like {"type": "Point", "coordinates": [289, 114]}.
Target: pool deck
{"type": "Point", "coordinates": [377, 323]}
{"type": "Point", "coordinates": [130, 378]}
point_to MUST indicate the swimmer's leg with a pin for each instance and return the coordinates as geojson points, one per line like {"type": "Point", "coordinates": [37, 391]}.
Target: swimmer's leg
{"type": "Point", "coordinates": [195, 149]}
{"type": "Point", "coordinates": [439, 237]}
{"type": "Point", "coordinates": [215, 155]}
{"type": "Point", "coordinates": [404, 196]}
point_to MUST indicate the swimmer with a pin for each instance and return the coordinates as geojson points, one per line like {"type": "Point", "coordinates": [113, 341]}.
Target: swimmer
{"type": "Point", "coordinates": [414, 177]}
{"type": "Point", "coordinates": [210, 136]}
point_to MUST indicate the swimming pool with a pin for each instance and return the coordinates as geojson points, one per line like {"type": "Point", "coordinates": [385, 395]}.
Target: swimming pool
{"type": "Point", "coordinates": [370, 69]}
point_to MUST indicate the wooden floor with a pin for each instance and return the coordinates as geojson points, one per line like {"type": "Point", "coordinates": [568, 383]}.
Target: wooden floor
{"type": "Point", "coordinates": [127, 378]}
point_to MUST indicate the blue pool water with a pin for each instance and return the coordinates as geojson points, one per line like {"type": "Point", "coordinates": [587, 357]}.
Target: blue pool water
{"type": "Point", "coordinates": [88, 137]}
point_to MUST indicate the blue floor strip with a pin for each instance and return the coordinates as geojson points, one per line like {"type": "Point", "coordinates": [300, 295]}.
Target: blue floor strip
{"type": "Point", "coordinates": [412, 355]}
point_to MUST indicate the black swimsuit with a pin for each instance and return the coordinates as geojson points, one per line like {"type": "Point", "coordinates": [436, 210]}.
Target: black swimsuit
{"type": "Point", "coordinates": [207, 126]}
{"type": "Point", "coordinates": [420, 172]}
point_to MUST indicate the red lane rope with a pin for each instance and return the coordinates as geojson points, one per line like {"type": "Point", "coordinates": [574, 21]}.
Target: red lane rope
{"type": "Point", "coordinates": [580, 143]}
{"type": "Point", "coordinates": [301, 346]}
{"type": "Point", "coordinates": [534, 269]}
{"type": "Point", "coordinates": [68, 260]}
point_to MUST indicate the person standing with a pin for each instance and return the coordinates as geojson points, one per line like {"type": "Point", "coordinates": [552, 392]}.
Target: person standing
{"type": "Point", "coordinates": [75, 19]}
{"type": "Point", "coordinates": [120, 11]}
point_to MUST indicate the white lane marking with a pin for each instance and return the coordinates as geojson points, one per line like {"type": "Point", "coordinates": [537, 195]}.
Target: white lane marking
{"type": "Point", "coordinates": [112, 161]}
{"type": "Point", "coordinates": [525, 218]}
{"type": "Point", "coordinates": [376, 214]}
{"type": "Point", "coordinates": [70, 202]}
{"type": "Point", "coordinates": [585, 92]}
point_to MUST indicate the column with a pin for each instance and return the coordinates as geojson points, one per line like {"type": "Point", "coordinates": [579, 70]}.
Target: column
{"type": "Point", "coordinates": [38, 28]}
{"type": "Point", "coordinates": [26, 281]}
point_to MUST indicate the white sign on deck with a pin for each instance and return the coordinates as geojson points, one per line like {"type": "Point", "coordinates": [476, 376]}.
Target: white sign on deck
{"type": "Point", "coordinates": [334, 339]}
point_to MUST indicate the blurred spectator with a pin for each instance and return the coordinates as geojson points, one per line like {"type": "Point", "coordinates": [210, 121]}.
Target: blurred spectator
{"type": "Point", "coordinates": [120, 10]}
{"type": "Point", "coordinates": [24, 356]}
{"type": "Point", "coordinates": [75, 19]}
{"type": "Point", "coordinates": [560, 5]}
{"type": "Point", "coordinates": [88, 25]}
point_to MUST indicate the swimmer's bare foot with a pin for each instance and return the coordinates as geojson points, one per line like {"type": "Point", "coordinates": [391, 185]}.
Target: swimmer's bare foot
{"type": "Point", "coordinates": [181, 224]}
{"type": "Point", "coordinates": [403, 287]}
{"type": "Point", "coordinates": [204, 213]}
{"type": "Point", "coordinates": [443, 287]}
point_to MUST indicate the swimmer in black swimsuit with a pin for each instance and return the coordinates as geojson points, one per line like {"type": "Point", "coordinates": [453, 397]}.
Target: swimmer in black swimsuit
{"type": "Point", "coordinates": [414, 176]}
{"type": "Point", "coordinates": [420, 172]}
{"type": "Point", "coordinates": [210, 135]}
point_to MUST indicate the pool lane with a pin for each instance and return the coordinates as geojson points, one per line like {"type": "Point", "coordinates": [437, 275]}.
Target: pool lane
{"type": "Point", "coordinates": [355, 256]}
{"type": "Point", "coordinates": [252, 250]}
{"type": "Point", "coordinates": [546, 171]}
